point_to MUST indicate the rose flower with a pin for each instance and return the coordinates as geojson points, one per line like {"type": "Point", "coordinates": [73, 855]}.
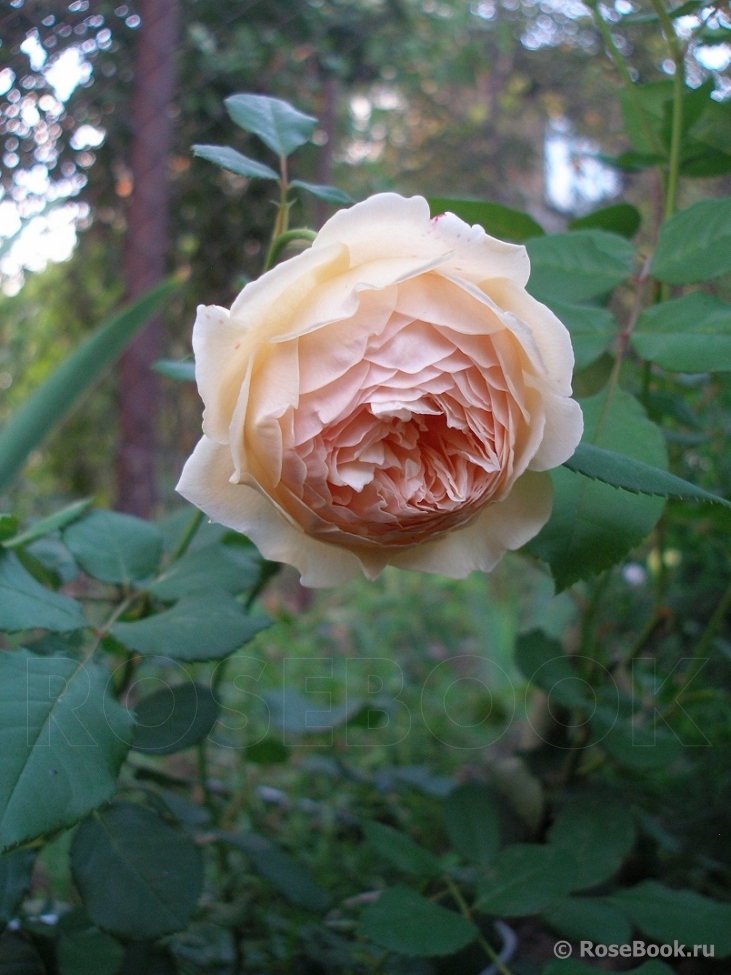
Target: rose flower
{"type": "Point", "coordinates": [391, 396]}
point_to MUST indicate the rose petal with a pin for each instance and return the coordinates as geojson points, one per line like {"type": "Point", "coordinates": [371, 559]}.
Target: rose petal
{"type": "Point", "coordinates": [205, 483]}
{"type": "Point", "coordinates": [506, 525]}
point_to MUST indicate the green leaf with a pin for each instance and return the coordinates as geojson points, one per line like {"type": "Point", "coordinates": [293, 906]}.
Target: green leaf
{"type": "Point", "coordinates": [632, 745]}
{"type": "Point", "coordinates": [183, 372]}
{"type": "Point", "coordinates": [472, 823]}
{"type": "Point", "coordinates": [289, 877]}
{"type": "Point", "coordinates": [524, 879]}
{"type": "Point", "coordinates": [114, 547]}
{"type": "Point", "coordinates": [543, 662]}
{"type": "Point", "coordinates": [19, 957]}
{"type": "Point", "coordinates": [400, 850]}
{"type": "Point", "coordinates": [25, 604]}
{"type": "Point", "coordinates": [592, 329]}
{"type": "Point", "coordinates": [593, 525]}
{"type": "Point", "coordinates": [594, 837]}
{"type": "Point", "coordinates": [220, 567]}
{"type": "Point", "coordinates": [8, 527]}
{"type": "Point", "coordinates": [575, 266]}
{"type": "Point", "coordinates": [713, 128]}
{"type": "Point", "coordinates": [588, 918]}
{"type": "Point", "coordinates": [403, 921]}
{"type": "Point", "coordinates": [294, 713]}
{"type": "Point", "coordinates": [330, 194]}
{"type": "Point", "coordinates": [44, 526]}
{"type": "Point", "coordinates": [85, 950]}
{"type": "Point", "coordinates": [138, 878]}
{"type": "Point", "coordinates": [269, 751]}
{"type": "Point", "coordinates": [207, 626]}
{"type": "Point", "coordinates": [50, 403]}
{"type": "Point", "coordinates": [653, 98]}
{"type": "Point", "coordinates": [690, 334]}
{"type": "Point", "coordinates": [620, 218]}
{"type": "Point", "coordinates": [665, 915]}
{"type": "Point", "coordinates": [277, 124]}
{"type": "Point", "coordinates": [174, 718]}
{"type": "Point", "coordinates": [15, 873]}
{"type": "Point", "coordinates": [235, 162]}
{"type": "Point", "coordinates": [623, 472]}
{"type": "Point", "coordinates": [494, 218]}
{"type": "Point", "coordinates": [633, 162]}
{"type": "Point", "coordinates": [64, 738]}
{"type": "Point", "coordinates": [695, 244]}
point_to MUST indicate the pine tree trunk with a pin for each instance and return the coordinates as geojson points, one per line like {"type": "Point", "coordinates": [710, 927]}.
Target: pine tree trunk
{"type": "Point", "coordinates": [146, 250]}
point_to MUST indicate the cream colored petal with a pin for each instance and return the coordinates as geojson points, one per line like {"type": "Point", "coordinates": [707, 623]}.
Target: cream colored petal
{"type": "Point", "coordinates": [214, 343]}
{"type": "Point", "coordinates": [549, 333]}
{"type": "Point", "coordinates": [500, 527]}
{"type": "Point", "coordinates": [205, 483]}
{"type": "Point", "coordinates": [561, 434]}
{"type": "Point", "coordinates": [389, 225]}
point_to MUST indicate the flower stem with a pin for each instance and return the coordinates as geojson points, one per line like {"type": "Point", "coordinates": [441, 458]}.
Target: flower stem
{"type": "Point", "coordinates": [467, 915]}
{"type": "Point", "coordinates": [676, 138]}
{"type": "Point", "coordinates": [281, 241]}
{"type": "Point", "coordinates": [714, 625]}
{"type": "Point", "coordinates": [188, 535]}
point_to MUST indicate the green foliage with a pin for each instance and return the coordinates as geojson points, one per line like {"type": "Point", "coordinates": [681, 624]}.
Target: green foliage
{"type": "Point", "coordinates": [593, 525]}
{"type": "Point", "coordinates": [665, 914]}
{"type": "Point", "coordinates": [174, 718]}
{"type": "Point", "coordinates": [400, 850]}
{"type": "Point", "coordinates": [472, 823]}
{"type": "Point", "coordinates": [403, 921]}
{"type": "Point", "coordinates": [65, 743]}
{"type": "Point", "coordinates": [575, 267]}
{"type": "Point", "coordinates": [695, 244]}
{"type": "Point", "coordinates": [206, 626]}
{"type": "Point", "coordinates": [524, 879]}
{"type": "Point", "coordinates": [113, 547]}
{"type": "Point", "coordinates": [275, 122]}
{"type": "Point", "coordinates": [58, 394]}
{"type": "Point", "coordinates": [496, 219]}
{"type": "Point", "coordinates": [157, 872]}
{"type": "Point", "coordinates": [689, 334]}
{"type": "Point", "coordinates": [595, 836]}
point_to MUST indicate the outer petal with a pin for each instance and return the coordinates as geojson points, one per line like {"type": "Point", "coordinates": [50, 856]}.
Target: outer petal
{"type": "Point", "coordinates": [214, 341]}
{"type": "Point", "coordinates": [500, 527]}
{"type": "Point", "coordinates": [205, 482]}
{"type": "Point", "coordinates": [561, 434]}
{"type": "Point", "coordinates": [548, 332]}
{"type": "Point", "coordinates": [388, 225]}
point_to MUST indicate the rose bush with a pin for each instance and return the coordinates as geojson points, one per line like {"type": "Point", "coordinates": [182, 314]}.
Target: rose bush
{"type": "Point", "coordinates": [392, 395]}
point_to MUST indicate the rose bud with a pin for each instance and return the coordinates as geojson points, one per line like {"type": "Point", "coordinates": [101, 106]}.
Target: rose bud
{"type": "Point", "coordinates": [391, 396]}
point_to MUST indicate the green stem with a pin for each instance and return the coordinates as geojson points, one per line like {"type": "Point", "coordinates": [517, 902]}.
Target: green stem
{"type": "Point", "coordinates": [188, 535]}
{"type": "Point", "coordinates": [467, 915]}
{"type": "Point", "coordinates": [714, 625]}
{"type": "Point", "coordinates": [281, 241]}
{"type": "Point", "coordinates": [624, 338]}
{"type": "Point", "coordinates": [203, 780]}
{"type": "Point", "coordinates": [676, 138]}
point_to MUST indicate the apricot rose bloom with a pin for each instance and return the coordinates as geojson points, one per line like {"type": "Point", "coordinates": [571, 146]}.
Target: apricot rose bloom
{"type": "Point", "coordinates": [391, 396]}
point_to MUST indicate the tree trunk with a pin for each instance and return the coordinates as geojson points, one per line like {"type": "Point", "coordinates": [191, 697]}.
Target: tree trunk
{"type": "Point", "coordinates": [146, 250]}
